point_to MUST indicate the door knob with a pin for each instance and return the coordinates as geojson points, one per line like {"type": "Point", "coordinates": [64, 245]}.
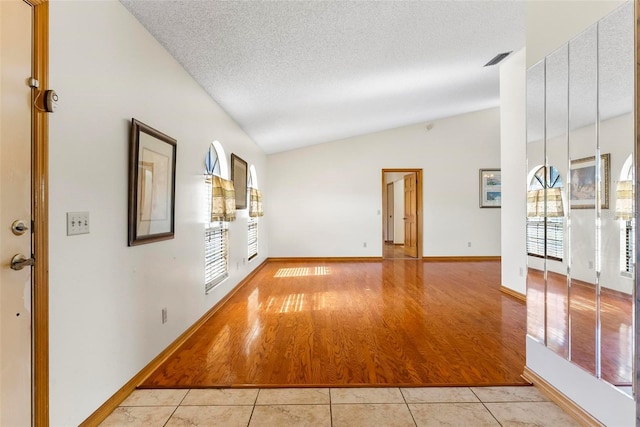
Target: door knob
{"type": "Point", "coordinates": [19, 261]}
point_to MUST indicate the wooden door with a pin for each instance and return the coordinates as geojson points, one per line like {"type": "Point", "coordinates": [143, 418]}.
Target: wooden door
{"type": "Point", "coordinates": [15, 205]}
{"type": "Point", "coordinates": [410, 215]}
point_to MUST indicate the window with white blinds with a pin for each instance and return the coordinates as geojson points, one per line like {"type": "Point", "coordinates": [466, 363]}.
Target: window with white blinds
{"type": "Point", "coordinates": [252, 226]}
{"type": "Point", "coordinates": [627, 248]}
{"type": "Point", "coordinates": [554, 238]}
{"type": "Point", "coordinates": [216, 254]}
{"type": "Point", "coordinates": [624, 212]}
{"type": "Point", "coordinates": [252, 237]}
{"type": "Point", "coordinates": [216, 234]}
{"type": "Point", "coordinates": [545, 239]}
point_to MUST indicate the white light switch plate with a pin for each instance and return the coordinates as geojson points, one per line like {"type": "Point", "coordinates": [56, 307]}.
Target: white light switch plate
{"type": "Point", "coordinates": [77, 223]}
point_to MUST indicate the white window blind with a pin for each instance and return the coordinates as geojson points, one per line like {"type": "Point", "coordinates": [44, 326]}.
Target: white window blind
{"type": "Point", "coordinates": [627, 249]}
{"type": "Point", "coordinates": [216, 247]}
{"type": "Point", "coordinates": [216, 244]}
{"type": "Point", "coordinates": [252, 237]}
{"type": "Point", "coordinates": [554, 238]}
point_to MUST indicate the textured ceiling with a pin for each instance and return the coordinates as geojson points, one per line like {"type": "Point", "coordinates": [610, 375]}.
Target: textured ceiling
{"type": "Point", "coordinates": [591, 76]}
{"type": "Point", "coordinates": [296, 73]}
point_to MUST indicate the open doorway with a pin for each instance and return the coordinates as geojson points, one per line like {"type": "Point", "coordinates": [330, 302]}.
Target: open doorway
{"type": "Point", "coordinates": [402, 213]}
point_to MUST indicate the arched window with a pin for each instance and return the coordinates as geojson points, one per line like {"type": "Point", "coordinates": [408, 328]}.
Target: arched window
{"type": "Point", "coordinates": [252, 235]}
{"type": "Point", "coordinates": [216, 233]}
{"type": "Point", "coordinates": [625, 214]}
{"type": "Point", "coordinates": [545, 213]}
{"type": "Point", "coordinates": [216, 162]}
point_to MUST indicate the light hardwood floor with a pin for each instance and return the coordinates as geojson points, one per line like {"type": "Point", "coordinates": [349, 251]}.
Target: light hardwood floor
{"type": "Point", "coordinates": [382, 323]}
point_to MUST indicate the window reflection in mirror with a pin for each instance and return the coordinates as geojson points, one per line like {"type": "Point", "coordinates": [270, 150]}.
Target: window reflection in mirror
{"type": "Point", "coordinates": [556, 149]}
{"type": "Point", "coordinates": [535, 160]}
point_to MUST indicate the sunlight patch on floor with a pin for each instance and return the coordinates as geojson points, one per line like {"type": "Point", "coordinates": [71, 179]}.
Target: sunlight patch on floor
{"type": "Point", "coordinates": [302, 272]}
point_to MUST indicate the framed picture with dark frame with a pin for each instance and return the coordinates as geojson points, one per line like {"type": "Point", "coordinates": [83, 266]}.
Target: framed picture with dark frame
{"type": "Point", "coordinates": [490, 188]}
{"type": "Point", "coordinates": [582, 191]}
{"type": "Point", "coordinates": [152, 185]}
{"type": "Point", "coordinates": [239, 177]}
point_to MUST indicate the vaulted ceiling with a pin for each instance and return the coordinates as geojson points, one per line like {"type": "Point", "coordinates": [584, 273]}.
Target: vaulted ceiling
{"type": "Point", "coordinates": [297, 73]}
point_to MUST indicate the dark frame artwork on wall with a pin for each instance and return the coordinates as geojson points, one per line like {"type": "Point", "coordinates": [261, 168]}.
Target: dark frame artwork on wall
{"type": "Point", "coordinates": [152, 185]}
{"type": "Point", "coordinates": [490, 188]}
{"type": "Point", "coordinates": [239, 175]}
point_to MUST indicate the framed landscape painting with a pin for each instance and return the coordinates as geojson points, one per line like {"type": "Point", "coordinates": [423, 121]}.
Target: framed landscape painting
{"type": "Point", "coordinates": [582, 192]}
{"type": "Point", "coordinates": [490, 188]}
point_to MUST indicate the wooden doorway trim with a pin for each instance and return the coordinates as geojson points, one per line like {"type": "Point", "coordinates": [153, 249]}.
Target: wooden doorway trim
{"type": "Point", "coordinates": [420, 218]}
{"type": "Point", "coordinates": [40, 213]}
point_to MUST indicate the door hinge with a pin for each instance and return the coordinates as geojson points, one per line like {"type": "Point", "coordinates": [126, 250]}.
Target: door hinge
{"type": "Point", "coordinates": [33, 83]}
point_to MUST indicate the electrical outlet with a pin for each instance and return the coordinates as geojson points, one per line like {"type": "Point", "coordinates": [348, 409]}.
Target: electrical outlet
{"type": "Point", "coordinates": [468, 244]}
{"type": "Point", "coordinates": [590, 265]}
{"type": "Point", "coordinates": [364, 244]}
{"type": "Point", "coordinates": [164, 315]}
{"type": "Point", "coordinates": [77, 223]}
{"type": "Point", "coordinates": [521, 272]}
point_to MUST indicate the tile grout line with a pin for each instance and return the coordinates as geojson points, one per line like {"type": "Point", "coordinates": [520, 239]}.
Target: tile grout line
{"type": "Point", "coordinates": [408, 407]}
{"type": "Point", "coordinates": [184, 397]}
{"type": "Point", "coordinates": [330, 408]}
{"type": "Point", "coordinates": [176, 408]}
{"type": "Point", "coordinates": [485, 407]}
{"type": "Point", "coordinates": [170, 416]}
{"type": "Point", "coordinates": [253, 408]}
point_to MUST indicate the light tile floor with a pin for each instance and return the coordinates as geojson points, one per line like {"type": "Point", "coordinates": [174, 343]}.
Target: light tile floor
{"type": "Point", "coordinates": [337, 407]}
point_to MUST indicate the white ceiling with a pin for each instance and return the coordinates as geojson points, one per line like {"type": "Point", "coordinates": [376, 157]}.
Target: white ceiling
{"type": "Point", "coordinates": [297, 73]}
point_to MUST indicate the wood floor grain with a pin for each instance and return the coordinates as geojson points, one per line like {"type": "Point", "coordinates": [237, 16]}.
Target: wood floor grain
{"type": "Point", "coordinates": [391, 322]}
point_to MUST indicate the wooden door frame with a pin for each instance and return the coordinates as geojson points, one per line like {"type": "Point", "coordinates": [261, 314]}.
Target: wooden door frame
{"type": "Point", "coordinates": [40, 213]}
{"type": "Point", "coordinates": [419, 216]}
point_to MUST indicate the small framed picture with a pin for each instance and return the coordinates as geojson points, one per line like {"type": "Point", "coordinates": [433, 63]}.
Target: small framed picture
{"type": "Point", "coordinates": [152, 185]}
{"type": "Point", "coordinates": [490, 188]}
{"type": "Point", "coordinates": [239, 175]}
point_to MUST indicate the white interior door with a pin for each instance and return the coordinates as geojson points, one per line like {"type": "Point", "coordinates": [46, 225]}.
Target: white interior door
{"type": "Point", "coordinates": [15, 204]}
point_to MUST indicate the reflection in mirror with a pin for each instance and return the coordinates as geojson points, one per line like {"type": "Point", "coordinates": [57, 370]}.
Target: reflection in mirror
{"type": "Point", "coordinates": [616, 215]}
{"type": "Point", "coordinates": [583, 98]}
{"type": "Point", "coordinates": [557, 116]}
{"type": "Point", "coordinates": [535, 233]}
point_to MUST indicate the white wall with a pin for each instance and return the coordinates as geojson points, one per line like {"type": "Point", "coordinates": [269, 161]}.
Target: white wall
{"type": "Point", "coordinates": [398, 211]}
{"type": "Point", "coordinates": [549, 25]}
{"type": "Point", "coordinates": [514, 174]}
{"type": "Point", "coordinates": [328, 196]}
{"type": "Point", "coordinates": [106, 298]}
